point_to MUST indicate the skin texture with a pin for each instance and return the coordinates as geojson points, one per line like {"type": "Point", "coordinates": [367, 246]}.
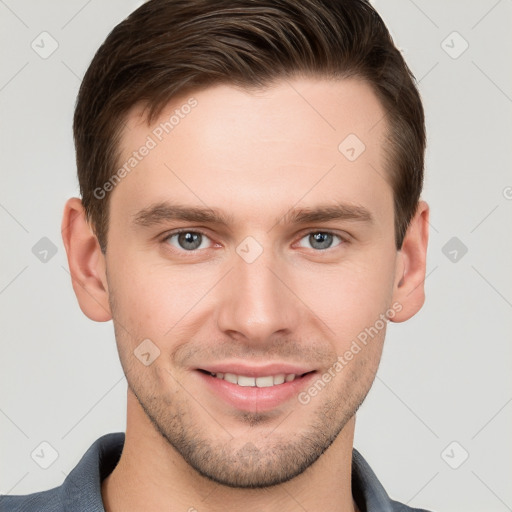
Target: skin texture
{"type": "Point", "coordinates": [253, 155]}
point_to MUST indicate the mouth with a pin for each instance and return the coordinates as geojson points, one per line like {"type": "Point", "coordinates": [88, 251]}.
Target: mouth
{"type": "Point", "coordinates": [255, 389]}
{"type": "Point", "coordinates": [264, 381]}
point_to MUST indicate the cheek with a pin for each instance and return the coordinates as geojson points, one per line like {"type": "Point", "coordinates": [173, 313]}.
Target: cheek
{"type": "Point", "coordinates": [151, 299]}
{"type": "Point", "coordinates": [350, 297]}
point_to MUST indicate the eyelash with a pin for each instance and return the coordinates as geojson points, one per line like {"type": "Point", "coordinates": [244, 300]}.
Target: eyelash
{"type": "Point", "coordinates": [185, 253]}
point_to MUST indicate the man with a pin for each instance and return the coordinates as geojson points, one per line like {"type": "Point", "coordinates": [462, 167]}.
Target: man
{"type": "Point", "coordinates": [250, 220]}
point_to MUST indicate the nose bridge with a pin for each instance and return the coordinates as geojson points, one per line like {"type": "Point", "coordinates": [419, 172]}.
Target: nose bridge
{"type": "Point", "coordinates": [256, 304]}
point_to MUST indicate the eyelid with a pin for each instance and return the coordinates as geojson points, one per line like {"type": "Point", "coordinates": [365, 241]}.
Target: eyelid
{"type": "Point", "coordinates": [177, 231]}
{"type": "Point", "coordinates": [308, 231]}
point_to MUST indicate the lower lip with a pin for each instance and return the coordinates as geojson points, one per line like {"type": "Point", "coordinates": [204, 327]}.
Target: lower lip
{"type": "Point", "coordinates": [252, 398]}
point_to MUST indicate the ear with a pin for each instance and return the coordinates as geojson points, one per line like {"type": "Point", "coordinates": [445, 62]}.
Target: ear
{"type": "Point", "coordinates": [409, 290]}
{"type": "Point", "coordinates": [86, 262]}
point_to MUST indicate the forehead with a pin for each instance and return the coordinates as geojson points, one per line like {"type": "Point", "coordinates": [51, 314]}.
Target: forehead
{"type": "Point", "coordinates": [303, 138]}
{"type": "Point", "coordinates": [326, 108]}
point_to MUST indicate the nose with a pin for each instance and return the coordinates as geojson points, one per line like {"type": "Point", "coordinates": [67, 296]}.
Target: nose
{"type": "Point", "coordinates": [257, 300]}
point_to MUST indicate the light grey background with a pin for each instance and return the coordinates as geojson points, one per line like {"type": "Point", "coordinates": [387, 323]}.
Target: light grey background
{"type": "Point", "coordinates": [445, 375]}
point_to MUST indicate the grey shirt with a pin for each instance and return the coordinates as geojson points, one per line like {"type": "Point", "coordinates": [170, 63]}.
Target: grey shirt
{"type": "Point", "coordinates": [81, 490]}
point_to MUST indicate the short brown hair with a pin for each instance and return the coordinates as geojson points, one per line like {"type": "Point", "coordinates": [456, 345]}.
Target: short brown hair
{"type": "Point", "coordinates": [169, 47]}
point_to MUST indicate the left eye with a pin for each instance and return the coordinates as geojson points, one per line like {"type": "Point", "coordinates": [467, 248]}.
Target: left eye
{"type": "Point", "coordinates": [188, 240]}
{"type": "Point", "coordinates": [320, 240]}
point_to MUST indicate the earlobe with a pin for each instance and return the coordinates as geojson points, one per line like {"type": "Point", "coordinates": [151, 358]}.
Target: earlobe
{"type": "Point", "coordinates": [86, 262]}
{"type": "Point", "coordinates": [409, 288]}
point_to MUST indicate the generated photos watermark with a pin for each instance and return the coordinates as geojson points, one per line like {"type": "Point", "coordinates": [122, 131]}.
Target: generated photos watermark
{"type": "Point", "coordinates": [361, 340]}
{"type": "Point", "coordinates": [152, 140]}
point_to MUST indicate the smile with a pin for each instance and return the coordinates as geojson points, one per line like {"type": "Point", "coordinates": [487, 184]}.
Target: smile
{"type": "Point", "coordinates": [259, 382]}
{"type": "Point", "coordinates": [255, 389]}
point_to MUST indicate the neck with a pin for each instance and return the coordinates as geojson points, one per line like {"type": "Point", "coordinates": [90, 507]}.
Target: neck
{"type": "Point", "coordinates": [151, 475]}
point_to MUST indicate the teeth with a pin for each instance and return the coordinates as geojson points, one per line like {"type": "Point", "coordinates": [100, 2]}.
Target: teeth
{"type": "Point", "coordinates": [230, 377]}
{"type": "Point", "coordinates": [246, 381]}
{"type": "Point", "coordinates": [263, 382]}
{"type": "Point", "coordinates": [260, 382]}
{"type": "Point", "coordinates": [279, 379]}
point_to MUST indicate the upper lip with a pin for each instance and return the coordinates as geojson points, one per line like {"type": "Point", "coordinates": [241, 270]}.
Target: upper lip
{"type": "Point", "coordinates": [256, 371]}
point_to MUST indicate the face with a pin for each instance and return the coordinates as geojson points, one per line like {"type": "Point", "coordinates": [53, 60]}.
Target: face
{"type": "Point", "coordinates": [252, 252]}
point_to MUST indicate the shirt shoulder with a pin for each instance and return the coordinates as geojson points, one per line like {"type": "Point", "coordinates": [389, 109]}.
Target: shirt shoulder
{"type": "Point", "coordinates": [44, 501]}
{"type": "Point", "coordinates": [369, 493]}
{"type": "Point", "coordinates": [400, 507]}
{"type": "Point", "coordinates": [81, 489]}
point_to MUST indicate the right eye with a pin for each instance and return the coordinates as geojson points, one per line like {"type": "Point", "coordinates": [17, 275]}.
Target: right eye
{"type": "Point", "coordinates": [187, 240]}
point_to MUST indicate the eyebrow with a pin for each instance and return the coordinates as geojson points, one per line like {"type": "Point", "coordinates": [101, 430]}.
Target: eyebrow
{"type": "Point", "coordinates": [339, 211]}
{"type": "Point", "coordinates": [164, 211]}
